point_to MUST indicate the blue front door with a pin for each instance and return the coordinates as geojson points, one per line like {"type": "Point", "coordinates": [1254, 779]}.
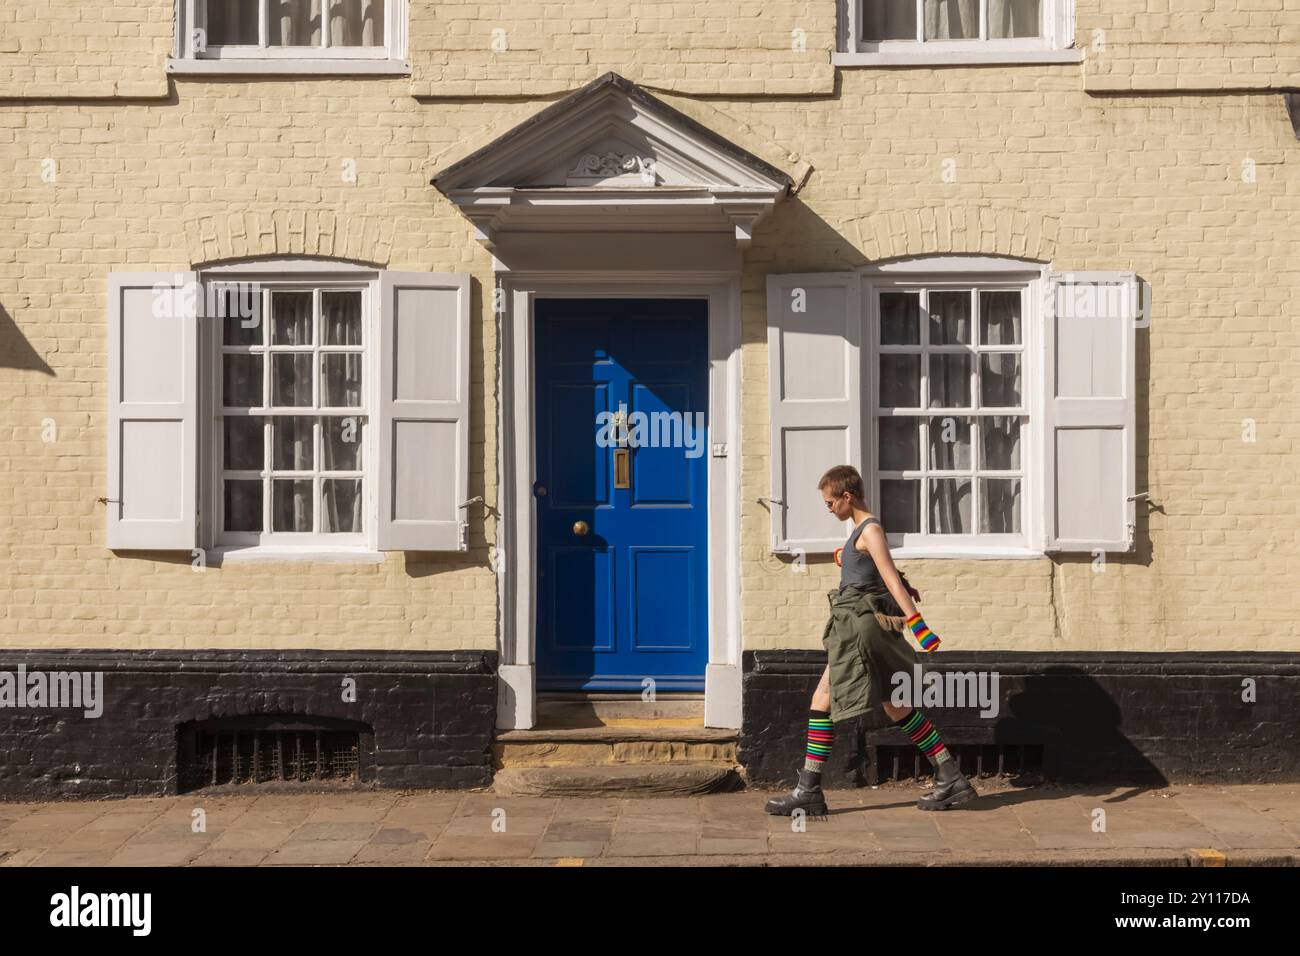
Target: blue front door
{"type": "Point", "coordinates": [621, 493]}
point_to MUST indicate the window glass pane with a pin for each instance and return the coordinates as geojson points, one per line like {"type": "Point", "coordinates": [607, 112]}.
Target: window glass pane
{"type": "Point", "coordinates": [999, 318]}
{"type": "Point", "coordinates": [340, 318]}
{"type": "Point", "coordinates": [950, 505]}
{"type": "Point", "coordinates": [291, 504]}
{"type": "Point", "coordinates": [1000, 439]}
{"type": "Point", "coordinates": [292, 444]}
{"type": "Point", "coordinates": [232, 23]}
{"type": "Point", "coordinates": [245, 440]}
{"type": "Point", "coordinates": [900, 381]}
{"type": "Point", "coordinates": [356, 22]}
{"type": "Point", "coordinates": [291, 381]}
{"type": "Point", "coordinates": [241, 381]}
{"type": "Point", "coordinates": [900, 444]}
{"type": "Point", "coordinates": [341, 380]}
{"type": "Point", "coordinates": [243, 505]}
{"type": "Point", "coordinates": [950, 318]}
{"type": "Point", "coordinates": [341, 505]}
{"type": "Point", "coordinates": [240, 309]}
{"type": "Point", "coordinates": [341, 443]}
{"type": "Point", "coordinates": [888, 20]}
{"type": "Point", "coordinates": [1014, 18]}
{"type": "Point", "coordinates": [900, 505]}
{"type": "Point", "coordinates": [952, 19]}
{"type": "Point", "coordinates": [900, 318]}
{"type": "Point", "coordinates": [950, 381]}
{"type": "Point", "coordinates": [294, 23]}
{"type": "Point", "coordinates": [999, 379]}
{"type": "Point", "coordinates": [291, 318]}
{"type": "Point", "coordinates": [950, 443]}
{"type": "Point", "coordinates": [1000, 505]}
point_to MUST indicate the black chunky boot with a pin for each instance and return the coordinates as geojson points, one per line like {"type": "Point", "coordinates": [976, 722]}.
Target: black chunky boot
{"type": "Point", "coordinates": [951, 788]}
{"type": "Point", "coordinates": [807, 796]}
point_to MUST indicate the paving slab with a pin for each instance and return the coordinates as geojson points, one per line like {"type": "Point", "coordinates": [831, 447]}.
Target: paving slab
{"type": "Point", "coordinates": [1251, 824]}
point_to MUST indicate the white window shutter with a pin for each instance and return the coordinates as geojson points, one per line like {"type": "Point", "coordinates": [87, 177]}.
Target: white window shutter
{"type": "Point", "coordinates": [1090, 466]}
{"type": "Point", "coordinates": [814, 339]}
{"type": "Point", "coordinates": [152, 410]}
{"type": "Point", "coordinates": [423, 413]}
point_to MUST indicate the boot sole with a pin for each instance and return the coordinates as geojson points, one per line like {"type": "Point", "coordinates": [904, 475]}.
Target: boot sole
{"type": "Point", "coordinates": [955, 800]}
{"type": "Point", "coordinates": [816, 810]}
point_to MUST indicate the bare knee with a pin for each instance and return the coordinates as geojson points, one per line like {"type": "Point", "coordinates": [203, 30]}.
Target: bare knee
{"type": "Point", "coordinates": [821, 698]}
{"type": "Point", "coordinates": [896, 713]}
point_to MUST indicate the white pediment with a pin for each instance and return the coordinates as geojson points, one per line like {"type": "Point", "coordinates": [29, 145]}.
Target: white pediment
{"type": "Point", "coordinates": [611, 156]}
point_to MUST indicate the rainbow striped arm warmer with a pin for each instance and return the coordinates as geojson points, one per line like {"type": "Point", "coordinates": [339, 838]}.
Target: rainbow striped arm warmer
{"type": "Point", "coordinates": [928, 640]}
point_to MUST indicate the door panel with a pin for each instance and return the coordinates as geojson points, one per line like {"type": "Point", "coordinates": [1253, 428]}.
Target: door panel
{"type": "Point", "coordinates": [622, 576]}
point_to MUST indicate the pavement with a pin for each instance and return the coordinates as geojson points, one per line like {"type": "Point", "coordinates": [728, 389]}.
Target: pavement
{"type": "Point", "coordinates": [1180, 825]}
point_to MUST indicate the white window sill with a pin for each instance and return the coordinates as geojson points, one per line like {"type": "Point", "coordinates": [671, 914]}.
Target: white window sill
{"type": "Point", "coordinates": [335, 555]}
{"type": "Point", "coordinates": [963, 554]}
{"type": "Point", "coordinates": [957, 58]}
{"type": "Point", "coordinates": [270, 67]}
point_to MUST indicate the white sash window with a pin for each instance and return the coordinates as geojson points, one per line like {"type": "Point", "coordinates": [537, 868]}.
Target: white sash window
{"type": "Point", "coordinates": [291, 36]}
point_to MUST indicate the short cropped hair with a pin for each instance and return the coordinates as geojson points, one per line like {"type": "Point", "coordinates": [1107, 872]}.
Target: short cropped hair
{"type": "Point", "coordinates": [843, 478]}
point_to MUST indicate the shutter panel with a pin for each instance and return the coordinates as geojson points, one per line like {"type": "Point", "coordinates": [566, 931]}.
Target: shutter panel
{"type": "Point", "coordinates": [152, 410]}
{"type": "Point", "coordinates": [423, 411]}
{"type": "Point", "coordinates": [814, 334]}
{"type": "Point", "coordinates": [1090, 462]}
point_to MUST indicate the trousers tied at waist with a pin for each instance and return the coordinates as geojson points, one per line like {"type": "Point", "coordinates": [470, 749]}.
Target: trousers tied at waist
{"type": "Point", "coordinates": [862, 601]}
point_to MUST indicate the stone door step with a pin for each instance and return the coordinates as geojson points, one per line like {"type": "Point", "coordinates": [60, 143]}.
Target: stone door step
{"type": "Point", "coordinates": [666, 780]}
{"type": "Point", "coordinates": [615, 710]}
{"type": "Point", "coordinates": [604, 734]}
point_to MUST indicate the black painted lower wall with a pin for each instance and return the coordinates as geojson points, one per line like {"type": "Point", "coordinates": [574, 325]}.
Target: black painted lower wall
{"type": "Point", "coordinates": [429, 716]}
{"type": "Point", "coordinates": [1130, 718]}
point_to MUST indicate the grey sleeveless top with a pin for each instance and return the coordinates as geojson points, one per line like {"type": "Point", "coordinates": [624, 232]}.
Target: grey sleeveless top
{"type": "Point", "coordinates": [859, 568]}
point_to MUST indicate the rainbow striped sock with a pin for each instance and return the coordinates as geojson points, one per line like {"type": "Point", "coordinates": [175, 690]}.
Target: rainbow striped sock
{"type": "Point", "coordinates": [924, 734]}
{"type": "Point", "coordinates": [921, 631]}
{"type": "Point", "coordinates": [821, 733]}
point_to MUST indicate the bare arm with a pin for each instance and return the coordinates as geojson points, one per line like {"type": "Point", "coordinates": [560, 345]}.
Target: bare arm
{"type": "Point", "coordinates": [878, 548]}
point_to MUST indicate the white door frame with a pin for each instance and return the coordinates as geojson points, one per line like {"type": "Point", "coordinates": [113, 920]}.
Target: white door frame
{"type": "Point", "coordinates": [516, 558]}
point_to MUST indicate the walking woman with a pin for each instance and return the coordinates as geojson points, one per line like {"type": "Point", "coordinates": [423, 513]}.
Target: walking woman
{"type": "Point", "coordinates": [865, 646]}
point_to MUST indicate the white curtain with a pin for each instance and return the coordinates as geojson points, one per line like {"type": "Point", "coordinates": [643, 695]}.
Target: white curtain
{"type": "Point", "coordinates": [950, 318]}
{"type": "Point", "coordinates": [950, 506]}
{"type": "Point", "coordinates": [291, 503]}
{"type": "Point", "coordinates": [342, 505]}
{"type": "Point", "coordinates": [1014, 18]}
{"type": "Point", "coordinates": [341, 319]}
{"type": "Point", "coordinates": [1000, 506]}
{"type": "Point", "coordinates": [950, 445]}
{"type": "Point", "coordinates": [1001, 440]}
{"type": "Point", "coordinates": [341, 382]}
{"type": "Point", "coordinates": [949, 380]}
{"type": "Point", "coordinates": [1000, 318]}
{"type": "Point", "coordinates": [294, 22]}
{"type": "Point", "coordinates": [356, 22]}
{"type": "Point", "coordinates": [952, 19]}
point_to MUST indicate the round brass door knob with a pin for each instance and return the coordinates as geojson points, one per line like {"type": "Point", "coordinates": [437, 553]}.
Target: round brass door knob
{"type": "Point", "coordinates": [580, 527]}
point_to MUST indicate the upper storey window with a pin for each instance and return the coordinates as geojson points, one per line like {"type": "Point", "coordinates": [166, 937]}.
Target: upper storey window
{"type": "Point", "coordinates": [897, 32]}
{"type": "Point", "coordinates": [292, 36]}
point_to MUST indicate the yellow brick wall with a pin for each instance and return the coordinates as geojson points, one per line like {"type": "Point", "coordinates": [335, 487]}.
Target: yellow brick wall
{"type": "Point", "coordinates": [84, 48]}
{"type": "Point", "coordinates": [737, 47]}
{"type": "Point", "coordinates": [1153, 185]}
{"type": "Point", "coordinates": [230, 169]}
{"type": "Point", "coordinates": [93, 48]}
{"type": "Point", "coordinates": [1116, 182]}
{"type": "Point", "coordinates": [1189, 44]}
